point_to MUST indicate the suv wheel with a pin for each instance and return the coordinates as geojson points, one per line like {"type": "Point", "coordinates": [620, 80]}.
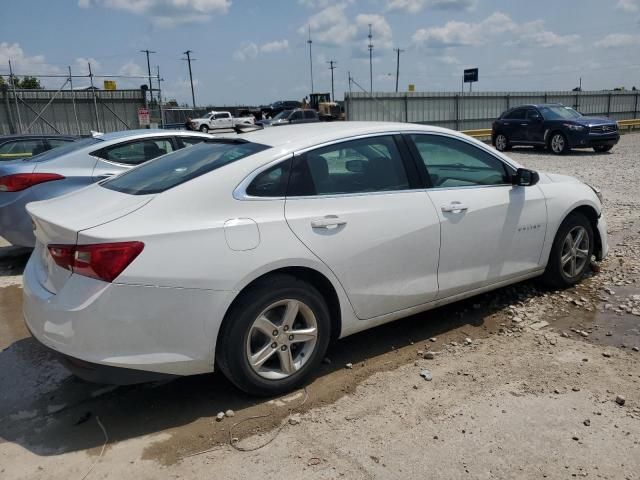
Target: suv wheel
{"type": "Point", "coordinates": [502, 142]}
{"type": "Point", "coordinates": [558, 143]}
{"type": "Point", "coordinates": [571, 252]}
{"type": "Point", "coordinates": [204, 129]}
{"type": "Point", "coordinates": [274, 337]}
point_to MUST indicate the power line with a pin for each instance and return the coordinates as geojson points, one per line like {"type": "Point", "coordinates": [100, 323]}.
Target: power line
{"type": "Point", "coordinates": [332, 66]}
{"type": "Point", "coordinates": [149, 72]}
{"type": "Point", "coordinates": [189, 60]}
{"type": "Point", "coordinates": [398, 51]}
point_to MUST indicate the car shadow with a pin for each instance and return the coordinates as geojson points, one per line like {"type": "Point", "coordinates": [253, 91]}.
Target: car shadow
{"type": "Point", "coordinates": [47, 411]}
{"type": "Point", "coordinates": [547, 152]}
{"type": "Point", "coordinates": [13, 260]}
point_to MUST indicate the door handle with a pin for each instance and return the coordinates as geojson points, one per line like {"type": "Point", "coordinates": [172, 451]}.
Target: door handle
{"type": "Point", "coordinates": [327, 222]}
{"type": "Point", "coordinates": [524, 124]}
{"type": "Point", "coordinates": [454, 207]}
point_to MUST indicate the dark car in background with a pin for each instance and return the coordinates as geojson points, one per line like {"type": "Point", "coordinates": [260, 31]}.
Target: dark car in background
{"type": "Point", "coordinates": [276, 107]}
{"type": "Point", "coordinates": [14, 147]}
{"type": "Point", "coordinates": [554, 126]}
{"type": "Point", "coordinates": [287, 117]}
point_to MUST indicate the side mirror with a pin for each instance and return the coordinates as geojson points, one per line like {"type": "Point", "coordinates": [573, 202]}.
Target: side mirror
{"type": "Point", "coordinates": [525, 177]}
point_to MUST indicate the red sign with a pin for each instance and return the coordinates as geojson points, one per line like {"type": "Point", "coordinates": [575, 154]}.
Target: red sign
{"type": "Point", "coordinates": [143, 117]}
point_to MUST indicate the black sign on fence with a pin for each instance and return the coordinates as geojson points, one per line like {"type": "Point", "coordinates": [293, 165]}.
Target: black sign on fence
{"type": "Point", "coordinates": [471, 75]}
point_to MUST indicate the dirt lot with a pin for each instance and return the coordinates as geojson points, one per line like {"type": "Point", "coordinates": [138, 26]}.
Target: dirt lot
{"type": "Point", "coordinates": [510, 398]}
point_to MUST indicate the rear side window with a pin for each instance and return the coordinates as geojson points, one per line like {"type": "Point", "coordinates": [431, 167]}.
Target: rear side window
{"type": "Point", "coordinates": [517, 114]}
{"type": "Point", "coordinates": [192, 140]}
{"type": "Point", "coordinates": [22, 148]}
{"type": "Point", "coordinates": [137, 152]}
{"type": "Point", "coordinates": [272, 182]}
{"type": "Point", "coordinates": [357, 166]}
{"type": "Point", "coordinates": [58, 142]}
{"type": "Point", "coordinates": [309, 114]}
{"type": "Point", "coordinates": [180, 167]}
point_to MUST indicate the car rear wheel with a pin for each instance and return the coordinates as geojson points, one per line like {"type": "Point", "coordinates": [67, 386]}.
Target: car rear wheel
{"type": "Point", "coordinates": [602, 148]}
{"type": "Point", "coordinates": [274, 337]}
{"type": "Point", "coordinates": [204, 129]}
{"type": "Point", "coordinates": [558, 143]}
{"type": "Point", "coordinates": [571, 252]}
{"type": "Point", "coordinates": [502, 142]}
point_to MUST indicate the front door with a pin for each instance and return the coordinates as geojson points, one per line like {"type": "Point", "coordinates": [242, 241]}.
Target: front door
{"type": "Point", "coordinates": [491, 230]}
{"type": "Point", "coordinates": [354, 205]}
{"type": "Point", "coordinates": [535, 129]}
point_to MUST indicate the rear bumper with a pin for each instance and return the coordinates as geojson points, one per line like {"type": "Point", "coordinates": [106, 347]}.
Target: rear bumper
{"type": "Point", "coordinates": [151, 329]}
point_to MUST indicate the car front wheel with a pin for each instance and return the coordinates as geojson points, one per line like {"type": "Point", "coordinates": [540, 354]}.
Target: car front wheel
{"type": "Point", "coordinates": [274, 337]}
{"type": "Point", "coordinates": [602, 148]}
{"type": "Point", "coordinates": [204, 129]}
{"type": "Point", "coordinates": [558, 143]}
{"type": "Point", "coordinates": [502, 142]}
{"type": "Point", "coordinates": [571, 252]}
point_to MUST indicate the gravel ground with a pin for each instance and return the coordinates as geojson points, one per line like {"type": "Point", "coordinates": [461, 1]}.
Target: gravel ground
{"type": "Point", "coordinates": [525, 384]}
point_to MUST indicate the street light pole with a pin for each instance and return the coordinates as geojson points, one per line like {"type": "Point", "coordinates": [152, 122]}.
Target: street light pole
{"type": "Point", "coordinates": [189, 60]}
{"type": "Point", "coordinates": [332, 66]}
{"type": "Point", "coordinates": [398, 51]}
{"type": "Point", "coordinates": [310, 58]}
{"type": "Point", "coordinates": [149, 72]}
{"type": "Point", "coordinates": [370, 61]}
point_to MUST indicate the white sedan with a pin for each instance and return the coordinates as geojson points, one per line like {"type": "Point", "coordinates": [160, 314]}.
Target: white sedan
{"type": "Point", "coordinates": [251, 253]}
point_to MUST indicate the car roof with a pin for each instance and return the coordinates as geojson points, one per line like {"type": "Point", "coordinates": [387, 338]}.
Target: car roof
{"type": "Point", "coordinates": [27, 136]}
{"type": "Point", "coordinates": [537, 105]}
{"type": "Point", "coordinates": [292, 137]}
{"type": "Point", "coordinates": [146, 132]}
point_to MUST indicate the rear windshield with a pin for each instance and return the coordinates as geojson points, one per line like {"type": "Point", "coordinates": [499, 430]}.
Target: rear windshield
{"type": "Point", "coordinates": [179, 167]}
{"type": "Point", "coordinates": [64, 149]}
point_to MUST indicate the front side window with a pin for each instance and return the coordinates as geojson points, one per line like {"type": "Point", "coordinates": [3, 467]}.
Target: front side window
{"type": "Point", "coordinates": [357, 166]}
{"type": "Point", "coordinates": [309, 114]}
{"type": "Point", "coordinates": [296, 116]}
{"type": "Point", "coordinates": [517, 114]}
{"type": "Point", "coordinates": [221, 116]}
{"type": "Point", "coordinates": [454, 163]}
{"type": "Point", "coordinates": [180, 167]}
{"type": "Point", "coordinates": [58, 142]}
{"type": "Point", "coordinates": [137, 152]}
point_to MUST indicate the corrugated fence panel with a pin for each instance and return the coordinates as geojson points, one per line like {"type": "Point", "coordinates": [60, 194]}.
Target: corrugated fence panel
{"type": "Point", "coordinates": [470, 111]}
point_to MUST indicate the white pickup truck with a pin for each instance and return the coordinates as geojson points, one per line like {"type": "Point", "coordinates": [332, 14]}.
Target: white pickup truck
{"type": "Point", "coordinates": [216, 120]}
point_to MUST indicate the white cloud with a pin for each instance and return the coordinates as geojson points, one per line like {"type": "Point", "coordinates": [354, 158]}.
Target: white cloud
{"type": "Point", "coordinates": [24, 64]}
{"type": "Point", "coordinates": [380, 31]}
{"type": "Point", "coordinates": [616, 40]}
{"type": "Point", "coordinates": [166, 13]}
{"type": "Point", "coordinates": [448, 60]}
{"type": "Point", "coordinates": [455, 33]}
{"type": "Point", "coordinates": [81, 66]}
{"type": "Point", "coordinates": [330, 26]}
{"type": "Point", "coordinates": [414, 6]}
{"type": "Point", "coordinates": [250, 50]}
{"type": "Point", "coordinates": [630, 6]}
{"type": "Point", "coordinates": [275, 46]}
{"type": "Point", "coordinates": [517, 65]}
{"type": "Point", "coordinates": [314, 4]}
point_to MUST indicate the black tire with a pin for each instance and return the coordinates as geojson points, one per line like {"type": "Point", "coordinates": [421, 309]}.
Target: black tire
{"type": "Point", "coordinates": [204, 129]}
{"type": "Point", "coordinates": [502, 143]}
{"type": "Point", "coordinates": [231, 351]}
{"type": "Point", "coordinates": [555, 275]}
{"type": "Point", "coordinates": [602, 148]}
{"type": "Point", "coordinates": [562, 145]}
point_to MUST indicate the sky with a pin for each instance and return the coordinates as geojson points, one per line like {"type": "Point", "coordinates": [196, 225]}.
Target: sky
{"type": "Point", "coordinates": [256, 52]}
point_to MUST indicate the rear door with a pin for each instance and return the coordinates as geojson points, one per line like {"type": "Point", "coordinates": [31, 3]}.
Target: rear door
{"type": "Point", "coordinates": [358, 206]}
{"type": "Point", "coordinates": [535, 126]}
{"type": "Point", "coordinates": [491, 229]}
{"type": "Point", "coordinates": [120, 157]}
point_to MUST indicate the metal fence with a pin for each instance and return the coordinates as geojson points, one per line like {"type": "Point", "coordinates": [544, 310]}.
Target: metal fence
{"type": "Point", "coordinates": [471, 111]}
{"type": "Point", "coordinates": [69, 111]}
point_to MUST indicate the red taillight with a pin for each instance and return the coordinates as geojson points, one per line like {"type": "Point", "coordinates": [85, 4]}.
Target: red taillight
{"type": "Point", "coordinates": [21, 181]}
{"type": "Point", "coordinates": [103, 261]}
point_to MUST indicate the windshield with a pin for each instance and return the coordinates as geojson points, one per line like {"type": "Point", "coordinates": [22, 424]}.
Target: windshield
{"type": "Point", "coordinates": [282, 115]}
{"type": "Point", "coordinates": [179, 167]}
{"type": "Point", "coordinates": [64, 149]}
{"type": "Point", "coordinates": [559, 113]}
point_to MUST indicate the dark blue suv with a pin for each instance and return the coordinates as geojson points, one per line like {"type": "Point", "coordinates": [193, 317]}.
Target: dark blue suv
{"type": "Point", "coordinates": [554, 126]}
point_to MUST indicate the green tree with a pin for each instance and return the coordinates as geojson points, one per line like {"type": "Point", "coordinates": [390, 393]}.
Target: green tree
{"type": "Point", "coordinates": [29, 83]}
{"type": "Point", "coordinates": [172, 103]}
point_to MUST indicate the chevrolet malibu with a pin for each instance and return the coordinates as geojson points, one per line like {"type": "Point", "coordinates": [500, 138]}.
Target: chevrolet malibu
{"type": "Point", "coordinates": [250, 253]}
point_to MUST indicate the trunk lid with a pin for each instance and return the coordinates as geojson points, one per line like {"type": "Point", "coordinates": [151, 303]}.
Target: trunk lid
{"type": "Point", "coordinates": [59, 220]}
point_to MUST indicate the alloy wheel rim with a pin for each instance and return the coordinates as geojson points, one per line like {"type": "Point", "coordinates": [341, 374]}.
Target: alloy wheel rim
{"type": "Point", "coordinates": [282, 339]}
{"type": "Point", "coordinates": [575, 252]}
{"type": "Point", "coordinates": [557, 143]}
{"type": "Point", "coordinates": [501, 142]}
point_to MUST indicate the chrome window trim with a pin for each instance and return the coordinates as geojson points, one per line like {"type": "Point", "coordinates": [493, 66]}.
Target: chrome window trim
{"type": "Point", "coordinates": [142, 138]}
{"type": "Point", "coordinates": [240, 193]}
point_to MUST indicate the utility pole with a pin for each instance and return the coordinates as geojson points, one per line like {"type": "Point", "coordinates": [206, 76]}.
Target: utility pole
{"type": "Point", "coordinates": [370, 61]}
{"type": "Point", "coordinates": [189, 60]}
{"type": "Point", "coordinates": [398, 51]}
{"type": "Point", "coordinates": [310, 58]}
{"type": "Point", "coordinates": [349, 76]}
{"type": "Point", "coordinates": [160, 79]}
{"type": "Point", "coordinates": [149, 72]}
{"type": "Point", "coordinates": [332, 66]}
